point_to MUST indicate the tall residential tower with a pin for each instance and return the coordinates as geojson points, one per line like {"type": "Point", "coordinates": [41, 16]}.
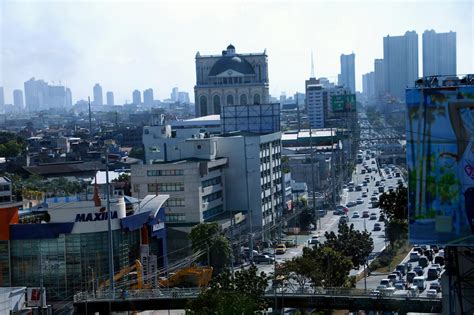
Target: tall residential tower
{"type": "Point", "coordinates": [347, 78]}
{"type": "Point", "coordinates": [439, 53]}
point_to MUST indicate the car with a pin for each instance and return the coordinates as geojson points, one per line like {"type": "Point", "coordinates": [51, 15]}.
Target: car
{"type": "Point", "coordinates": [439, 260]}
{"type": "Point", "coordinates": [435, 286]}
{"type": "Point", "coordinates": [434, 248]}
{"type": "Point", "coordinates": [402, 268]}
{"type": "Point", "coordinates": [381, 189]}
{"type": "Point", "coordinates": [351, 204]}
{"type": "Point", "coordinates": [398, 273]}
{"type": "Point", "coordinates": [359, 201]}
{"type": "Point", "coordinates": [397, 174]}
{"type": "Point", "coordinates": [373, 162]}
{"type": "Point", "coordinates": [432, 274]}
{"type": "Point", "coordinates": [437, 266]}
{"type": "Point", "coordinates": [429, 254]}
{"type": "Point", "coordinates": [313, 241]}
{"type": "Point", "coordinates": [344, 219]}
{"type": "Point", "coordinates": [386, 282]}
{"type": "Point", "coordinates": [373, 216]}
{"type": "Point", "coordinates": [365, 213]}
{"type": "Point", "coordinates": [410, 276]}
{"type": "Point", "coordinates": [263, 259]}
{"type": "Point", "coordinates": [375, 293]}
{"type": "Point", "coordinates": [414, 256]}
{"type": "Point", "coordinates": [377, 183]}
{"type": "Point", "coordinates": [389, 177]}
{"type": "Point", "coordinates": [418, 270]}
{"type": "Point", "coordinates": [423, 262]}
{"type": "Point", "coordinates": [364, 195]}
{"type": "Point", "coordinates": [432, 294]}
{"type": "Point", "coordinates": [399, 286]}
{"type": "Point", "coordinates": [268, 253]}
{"type": "Point", "coordinates": [356, 214]}
{"type": "Point", "coordinates": [280, 249]}
{"type": "Point", "coordinates": [390, 188]}
{"type": "Point", "coordinates": [393, 277]}
{"type": "Point", "coordinates": [358, 187]}
{"type": "Point", "coordinates": [418, 249]}
{"type": "Point", "coordinates": [289, 242]}
{"type": "Point", "coordinates": [408, 266]}
{"type": "Point", "coordinates": [351, 188]}
{"type": "Point", "coordinates": [377, 227]}
{"type": "Point", "coordinates": [420, 283]}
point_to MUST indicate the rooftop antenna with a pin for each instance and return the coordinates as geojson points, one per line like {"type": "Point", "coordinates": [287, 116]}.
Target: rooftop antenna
{"type": "Point", "coordinates": [312, 65]}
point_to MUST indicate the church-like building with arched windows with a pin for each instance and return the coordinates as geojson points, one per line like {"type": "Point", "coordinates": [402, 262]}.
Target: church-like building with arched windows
{"type": "Point", "coordinates": [230, 79]}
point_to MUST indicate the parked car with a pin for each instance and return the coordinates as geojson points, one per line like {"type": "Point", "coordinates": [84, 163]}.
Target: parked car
{"type": "Point", "coordinates": [377, 227]}
{"type": "Point", "coordinates": [359, 201]}
{"type": "Point", "coordinates": [373, 216]}
{"type": "Point", "coordinates": [356, 214]}
{"type": "Point", "coordinates": [365, 213]}
{"type": "Point", "coordinates": [364, 194]}
{"type": "Point", "coordinates": [344, 219]}
{"type": "Point", "coordinates": [258, 259]}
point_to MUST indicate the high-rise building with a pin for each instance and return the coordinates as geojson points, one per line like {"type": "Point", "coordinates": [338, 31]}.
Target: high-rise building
{"type": "Point", "coordinates": [183, 97]}
{"type": "Point", "coordinates": [56, 96]}
{"type": "Point", "coordinates": [379, 77]}
{"type": "Point", "coordinates": [348, 71]}
{"type": "Point", "coordinates": [230, 79]}
{"type": "Point", "coordinates": [2, 98]}
{"type": "Point", "coordinates": [18, 99]}
{"type": "Point", "coordinates": [148, 97]}
{"type": "Point", "coordinates": [136, 97]}
{"type": "Point", "coordinates": [174, 94]}
{"type": "Point", "coordinates": [36, 95]}
{"type": "Point", "coordinates": [98, 100]}
{"type": "Point", "coordinates": [368, 84]}
{"type": "Point", "coordinates": [110, 98]}
{"type": "Point", "coordinates": [400, 55]}
{"type": "Point", "coordinates": [439, 53]}
{"type": "Point", "coordinates": [68, 98]}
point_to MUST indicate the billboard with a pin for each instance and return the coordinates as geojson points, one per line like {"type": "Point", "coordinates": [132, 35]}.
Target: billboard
{"type": "Point", "coordinates": [343, 103]}
{"type": "Point", "coordinates": [440, 160]}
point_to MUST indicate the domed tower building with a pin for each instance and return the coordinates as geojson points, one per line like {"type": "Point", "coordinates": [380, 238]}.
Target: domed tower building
{"type": "Point", "coordinates": [230, 79]}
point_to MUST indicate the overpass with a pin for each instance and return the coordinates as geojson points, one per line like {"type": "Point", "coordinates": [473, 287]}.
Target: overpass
{"type": "Point", "coordinates": [319, 298]}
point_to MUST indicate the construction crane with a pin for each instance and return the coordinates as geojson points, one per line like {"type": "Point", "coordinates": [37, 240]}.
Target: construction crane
{"type": "Point", "coordinates": [194, 276]}
{"type": "Point", "coordinates": [136, 267]}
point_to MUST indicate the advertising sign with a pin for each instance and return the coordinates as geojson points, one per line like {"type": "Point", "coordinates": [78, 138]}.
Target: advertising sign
{"type": "Point", "coordinates": [343, 103]}
{"type": "Point", "coordinates": [440, 159]}
{"type": "Point", "coordinates": [34, 298]}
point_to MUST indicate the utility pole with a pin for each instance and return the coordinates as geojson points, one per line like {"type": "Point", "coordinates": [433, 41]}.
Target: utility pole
{"type": "Point", "coordinates": [90, 117]}
{"type": "Point", "coordinates": [109, 223]}
{"type": "Point", "coordinates": [313, 183]}
{"type": "Point", "coordinates": [249, 211]}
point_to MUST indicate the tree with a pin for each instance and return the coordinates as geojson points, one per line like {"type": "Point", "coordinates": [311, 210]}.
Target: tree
{"type": "Point", "coordinates": [11, 145]}
{"type": "Point", "coordinates": [306, 218]}
{"type": "Point", "coordinates": [241, 293]}
{"type": "Point", "coordinates": [206, 237]}
{"type": "Point", "coordinates": [394, 204]}
{"type": "Point", "coordinates": [351, 243]}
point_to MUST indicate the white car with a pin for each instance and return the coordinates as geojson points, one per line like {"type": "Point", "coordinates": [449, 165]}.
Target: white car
{"type": "Point", "coordinates": [356, 214]}
{"type": "Point", "coordinates": [359, 201]}
{"type": "Point", "coordinates": [431, 293]}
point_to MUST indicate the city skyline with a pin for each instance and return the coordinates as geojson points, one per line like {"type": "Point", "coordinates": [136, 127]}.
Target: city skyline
{"type": "Point", "coordinates": [81, 53]}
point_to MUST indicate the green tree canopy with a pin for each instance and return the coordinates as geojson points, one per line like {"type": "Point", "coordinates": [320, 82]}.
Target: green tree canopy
{"type": "Point", "coordinates": [206, 237]}
{"type": "Point", "coordinates": [394, 204]}
{"type": "Point", "coordinates": [351, 243]}
{"type": "Point", "coordinates": [240, 294]}
{"type": "Point", "coordinates": [11, 145]}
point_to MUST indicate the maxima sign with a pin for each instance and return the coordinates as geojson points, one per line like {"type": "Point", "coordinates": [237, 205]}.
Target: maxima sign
{"type": "Point", "coordinates": [87, 218]}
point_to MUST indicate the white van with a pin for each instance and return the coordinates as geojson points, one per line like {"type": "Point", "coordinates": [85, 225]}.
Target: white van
{"type": "Point", "coordinates": [420, 283]}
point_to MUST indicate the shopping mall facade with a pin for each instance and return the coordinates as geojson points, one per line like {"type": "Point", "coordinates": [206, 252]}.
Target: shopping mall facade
{"type": "Point", "coordinates": [63, 242]}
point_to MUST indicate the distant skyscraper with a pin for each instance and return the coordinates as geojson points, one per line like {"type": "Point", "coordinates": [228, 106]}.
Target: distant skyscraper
{"type": "Point", "coordinates": [110, 98]}
{"type": "Point", "coordinates": [98, 100]}
{"type": "Point", "coordinates": [36, 95]}
{"type": "Point", "coordinates": [148, 97]}
{"type": "Point", "coordinates": [68, 98]}
{"type": "Point", "coordinates": [183, 97]}
{"type": "Point", "coordinates": [230, 79]}
{"type": "Point", "coordinates": [2, 99]}
{"type": "Point", "coordinates": [400, 55]}
{"type": "Point", "coordinates": [379, 75]}
{"type": "Point", "coordinates": [174, 94]}
{"type": "Point", "coordinates": [136, 97]}
{"type": "Point", "coordinates": [348, 71]}
{"type": "Point", "coordinates": [368, 84]}
{"type": "Point", "coordinates": [439, 53]}
{"type": "Point", "coordinates": [18, 99]}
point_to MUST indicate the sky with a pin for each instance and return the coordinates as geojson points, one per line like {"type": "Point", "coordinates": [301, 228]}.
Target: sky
{"type": "Point", "coordinates": [126, 45]}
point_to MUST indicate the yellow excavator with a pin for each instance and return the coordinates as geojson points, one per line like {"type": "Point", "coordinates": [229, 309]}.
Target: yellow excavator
{"type": "Point", "coordinates": [194, 276]}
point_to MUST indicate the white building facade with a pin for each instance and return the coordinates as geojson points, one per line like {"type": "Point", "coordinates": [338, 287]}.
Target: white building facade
{"type": "Point", "coordinates": [348, 71]}
{"type": "Point", "coordinates": [439, 53]}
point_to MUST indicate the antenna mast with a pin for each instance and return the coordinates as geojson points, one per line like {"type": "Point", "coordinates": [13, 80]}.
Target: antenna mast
{"type": "Point", "coordinates": [312, 65]}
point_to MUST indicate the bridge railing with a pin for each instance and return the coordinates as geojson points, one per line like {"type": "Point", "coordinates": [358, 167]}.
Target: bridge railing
{"type": "Point", "coordinates": [164, 293]}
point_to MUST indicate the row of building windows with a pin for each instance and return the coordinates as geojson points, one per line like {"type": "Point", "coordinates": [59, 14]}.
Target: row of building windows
{"type": "Point", "coordinates": [174, 202]}
{"type": "Point", "coordinates": [165, 187]}
{"type": "Point", "coordinates": [212, 197]}
{"type": "Point", "coordinates": [175, 217]}
{"type": "Point", "coordinates": [212, 212]}
{"type": "Point", "coordinates": [5, 187]}
{"type": "Point", "coordinates": [215, 168]}
{"type": "Point", "coordinates": [211, 182]}
{"type": "Point", "coordinates": [216, 102]}
{"type": "Point", "coordinates": [164, 172]}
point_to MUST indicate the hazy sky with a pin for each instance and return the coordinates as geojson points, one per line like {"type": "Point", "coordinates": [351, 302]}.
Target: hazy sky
{"type": "Point", "coordinates": [131, 45]}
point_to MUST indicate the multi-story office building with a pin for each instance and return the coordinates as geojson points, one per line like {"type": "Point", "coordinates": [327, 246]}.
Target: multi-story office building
{"type": "Point", "coordinates": [439, 53]}
{"type": "Point", "coordinates": [148, 97]}
{"type": "Point", "coordinates": [230, 79]}
{"type": "Point", "coordinates": [18, 99]}
{"type": "Point", "coordinates": [56, 96]}
{"type": "Point", "coordinates": [348, 72]}
{"type": "Point", "coordinates": [400, 56]}
{"type": "Point", "coordinates": [98, 100]}
{"type": "Point", "coordinates": [379, 78]}
{"type": "Point", "coordinates": [36, 95]}
{"type": "Point", "coordinates": [110, 98]}
{"type": "Point", "coordinates": [136, 97]}
{"type": "Point", "coordinates": [68, 98]}
{"type": "Point", "coordinates": [183, 97]}
{"type": "Point", "coordinates": [368, 84]}
{"type": "Point", "coordinates": [175, 94]}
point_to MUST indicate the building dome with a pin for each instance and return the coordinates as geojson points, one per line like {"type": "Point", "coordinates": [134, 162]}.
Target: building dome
{"type": "Point", "coordinates": [235, 63]}
{"type": "Point", "coordinates": [230, 47]}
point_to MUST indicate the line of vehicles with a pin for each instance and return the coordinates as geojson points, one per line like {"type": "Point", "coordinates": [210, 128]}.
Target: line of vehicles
{"type": "Point", "coordinates": [421, 271]}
